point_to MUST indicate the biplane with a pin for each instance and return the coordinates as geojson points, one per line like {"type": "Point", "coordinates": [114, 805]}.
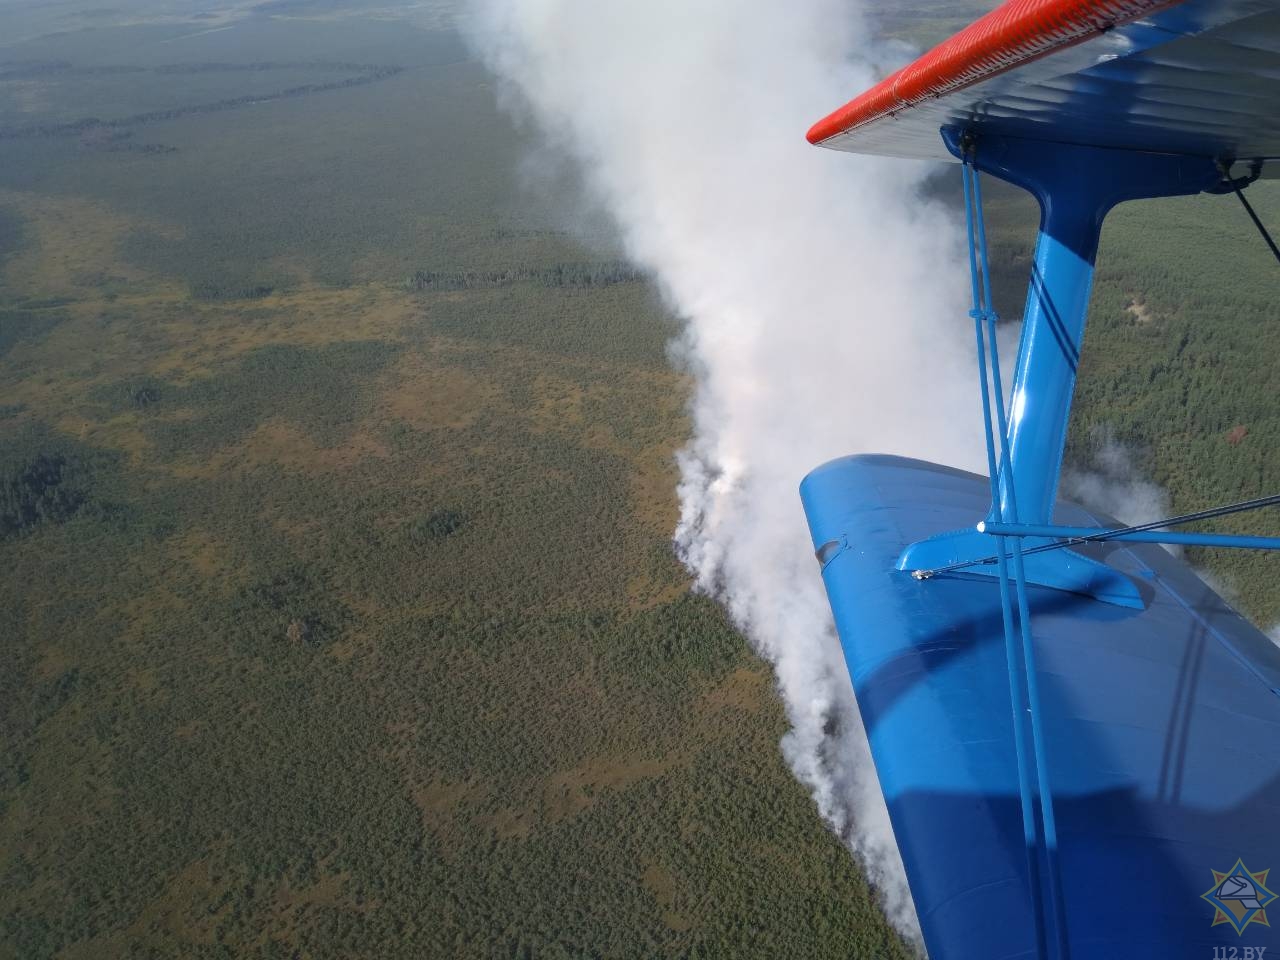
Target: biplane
{"type": "Point", "coordinates": [1077, 739]}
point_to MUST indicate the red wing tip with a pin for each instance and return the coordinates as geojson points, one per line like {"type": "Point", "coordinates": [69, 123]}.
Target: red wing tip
{"type": "Point", "coordinates": [832, 125]}
{"type": "Point", "coordinates": [821, 131]}
{"type": "Point", "coordinates": [1015, 33]}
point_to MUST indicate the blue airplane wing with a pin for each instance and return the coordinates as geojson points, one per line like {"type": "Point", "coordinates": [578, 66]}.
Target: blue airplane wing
{"type": "Point", "coordinates": [1163, 728]}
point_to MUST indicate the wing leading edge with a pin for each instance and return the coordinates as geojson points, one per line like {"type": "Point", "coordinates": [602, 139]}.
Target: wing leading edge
{"type": "Point", "coordinates": [1197, 77]}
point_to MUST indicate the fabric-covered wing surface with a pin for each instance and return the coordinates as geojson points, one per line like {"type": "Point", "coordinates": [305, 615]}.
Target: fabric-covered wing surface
{"type": "Point", "coordinates": [1163, 728]}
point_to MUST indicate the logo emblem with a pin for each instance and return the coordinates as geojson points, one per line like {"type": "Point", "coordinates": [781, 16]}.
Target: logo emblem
{"type": "Point", "coordinates": [1239, 897]}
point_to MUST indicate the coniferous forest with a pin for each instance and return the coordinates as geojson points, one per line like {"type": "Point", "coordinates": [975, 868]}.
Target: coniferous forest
{"type": "Point", "coordinates": [338, 607]}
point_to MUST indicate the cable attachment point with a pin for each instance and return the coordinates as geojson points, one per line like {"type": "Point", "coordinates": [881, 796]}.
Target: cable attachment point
{"type": "Point", "coordinates": [1231, 184]}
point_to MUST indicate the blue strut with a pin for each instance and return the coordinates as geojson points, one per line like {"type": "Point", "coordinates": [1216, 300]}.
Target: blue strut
{"type": "Point", "coordinates": [1076, 187]}
{"type": "Point", "coordinates": [1103, 534]}
{"type": "Point", "coordinates": [1022, 693]}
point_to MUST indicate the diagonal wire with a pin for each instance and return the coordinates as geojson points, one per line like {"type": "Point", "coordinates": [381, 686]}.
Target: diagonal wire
{"type": "Point", "coordinates": [1017, 700]}
{"type": "Point", "coordinates": [1266, 235]}
{"type": "Point", "coordinates": [1223, 511]}
{"type": "Point", "coordinates": [1030, 675]}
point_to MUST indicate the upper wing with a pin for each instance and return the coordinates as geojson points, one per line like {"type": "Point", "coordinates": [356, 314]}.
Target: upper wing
{"type": "Point", "coordinates": [1199, 77]}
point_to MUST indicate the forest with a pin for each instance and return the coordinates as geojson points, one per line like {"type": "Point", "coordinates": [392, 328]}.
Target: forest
{"type": "Point", "coordinates": [336, 499]}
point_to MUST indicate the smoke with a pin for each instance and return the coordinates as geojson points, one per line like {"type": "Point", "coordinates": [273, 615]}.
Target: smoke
{"type": "Point", "coordinates": [1115, 485]}
{"type": "Point", "coordinates": [822, 301]}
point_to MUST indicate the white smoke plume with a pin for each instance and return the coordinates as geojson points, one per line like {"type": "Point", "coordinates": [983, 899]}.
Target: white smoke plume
{"type": "Point", "coordinates": [1116, 485]}
{"type": "Point", "coordinates": [824, 304]}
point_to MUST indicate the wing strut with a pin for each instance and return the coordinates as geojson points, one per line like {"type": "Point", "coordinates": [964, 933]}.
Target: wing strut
{"type": "Point", "coordinates": [1076, 187]}
{"type": "Point", "coordinates": [1151, 532]}
{"type": "Point", "coordinates": [1024, 694]}
{"type": "Point", "coordinates": [1015, 540]}
{"type": "Point", "coordinates": [1237, 186]}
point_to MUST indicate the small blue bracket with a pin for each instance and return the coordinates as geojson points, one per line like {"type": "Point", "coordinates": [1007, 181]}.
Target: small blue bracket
{"type": "Point", "coordinates": [1076, 187]}
{"type": "Point", "coordinates": [1061, 569]}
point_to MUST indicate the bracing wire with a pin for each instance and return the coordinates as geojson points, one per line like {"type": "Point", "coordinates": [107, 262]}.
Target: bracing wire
{"type": "Point", "coordinates": [1024, 695]}
{"type": "Point", "coordinates": [1223, 511]}
{"type": "Point", "coordinates": [1257, 221]}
